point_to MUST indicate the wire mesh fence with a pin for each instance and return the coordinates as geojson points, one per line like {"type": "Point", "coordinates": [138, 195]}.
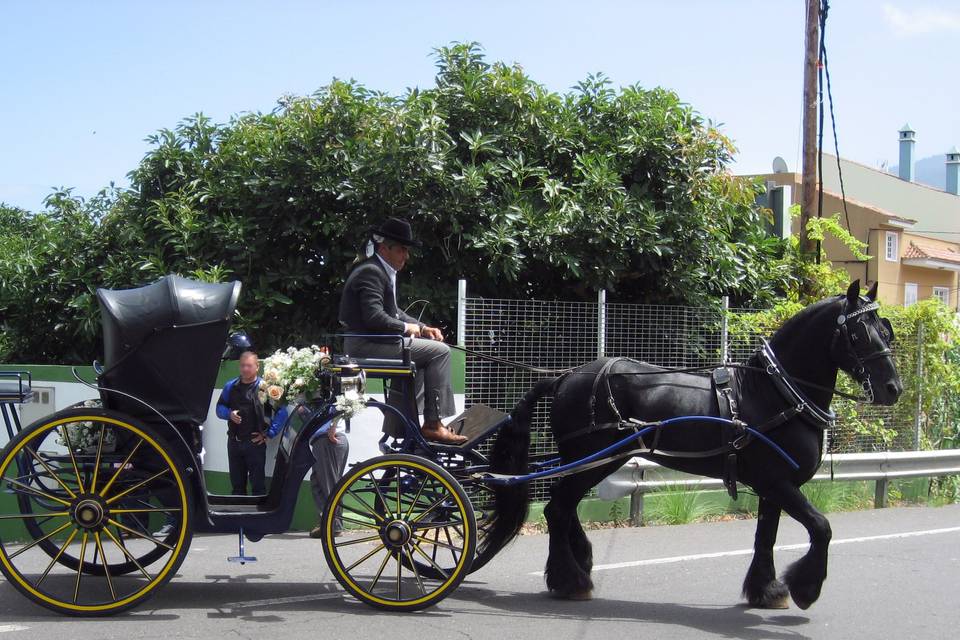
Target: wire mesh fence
{"type": "Point", "coordinates": [552, 335]}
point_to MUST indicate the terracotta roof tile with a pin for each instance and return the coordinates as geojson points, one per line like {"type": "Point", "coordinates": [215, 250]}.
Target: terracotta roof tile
{"type": "Point", "coordinates": [922, 252]}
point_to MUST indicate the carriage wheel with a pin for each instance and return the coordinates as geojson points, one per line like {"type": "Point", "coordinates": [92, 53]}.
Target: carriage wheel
{"type": "Point", "coordinates": [86, 489]}
{"type": "Point", "coordinates": [390, 507]}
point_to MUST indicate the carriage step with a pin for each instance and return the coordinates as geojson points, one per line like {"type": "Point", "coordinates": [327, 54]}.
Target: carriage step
{"type": "Point", "coordinates": [477, 422]}
{"type": "Point", "coordinates": [243, 558]}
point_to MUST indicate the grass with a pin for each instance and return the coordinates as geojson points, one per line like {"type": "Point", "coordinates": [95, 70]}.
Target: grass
{"type": "Point", "coordinates": [676, 506]}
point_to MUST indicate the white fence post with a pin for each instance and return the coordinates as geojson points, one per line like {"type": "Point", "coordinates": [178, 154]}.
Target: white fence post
{"type": "Point", "coordinates": [725, 332]}
{"type": "Point", "coordinates": [462, 312]}
{"type": "Point", "coordinates": [601, 323]}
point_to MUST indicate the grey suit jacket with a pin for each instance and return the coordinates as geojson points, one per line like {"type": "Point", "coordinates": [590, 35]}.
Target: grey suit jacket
{"type": "Point", "coordinates": [368, 303]}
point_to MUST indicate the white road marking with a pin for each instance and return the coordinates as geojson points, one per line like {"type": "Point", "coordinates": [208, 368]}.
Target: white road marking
{"type": "Point", "coordinates": [12, 627]}
{"type": "Point", "coordinates": [745, 552]}
{"type": "Point", "coordinates": [287, 600]}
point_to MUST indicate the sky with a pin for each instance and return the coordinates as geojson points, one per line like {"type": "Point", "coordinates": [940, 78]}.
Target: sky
{"type": "Point", "coordinates": [82, 83]}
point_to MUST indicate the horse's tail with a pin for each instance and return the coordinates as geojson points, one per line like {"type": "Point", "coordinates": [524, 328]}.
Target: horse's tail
{"type": "Point", "coordinates": [509, 456]}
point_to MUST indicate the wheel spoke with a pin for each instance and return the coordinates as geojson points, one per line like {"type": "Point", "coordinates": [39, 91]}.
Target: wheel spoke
{"type": "Point", "coordinates": [66, 439]}
{"type": "Point", "coordinates": [55, 514]}
{"type": "Point", "coordinates": [438, 525]}
{"type": "Point", "coordinates": [96, 463]}
{"type": "Point", "coordinates": [453, 550]}
{"type": "Point", "coordinates": [123, 465]}
{"type": "Point", "coordinates": [376, 578]}
{"type": "Point", "coordinates": [83, 551]}
{"type": "Point", "coordinates": [357, 541]}
{"type": "Point", "coordinates": [399, 509]}
{"type": "Point", "coordinates": [137, 486]}
{"type": "Point", "coordinates": [433, 506]}
{"type": "Point", "coordinates": [37, 492]}
{"type": "Point", "coordinates": [399, 571]}
{"type": "Point", "coordinates": [416, 498]}
{"type": "Point", "coordinates": [39, 540]}
{"type": "Point", "coordinates": [139, 535]}
{"type": "Point", "coordinates": [148, 510]}
{"type": "Point", "coordinates": [73, 534]}
{"type": "Point", "coordinates": [370, 511]}
{"type": "Point", "coordinates": [376, 488]}
{"type": "Point", "coordinates": [416, 574]}
{"type": "Point", "coordinates": [360, 523]}
{"type": "Point", "coordinates": [106, 565]}
{"type": "Point", "coordinates": [365, 558]}
{"type": "Point", "coordinates": [123, 548]}
{"type": "Point", "coordinates": [38, 458]}
{"type": "Point", "coordinates": [442, 571]}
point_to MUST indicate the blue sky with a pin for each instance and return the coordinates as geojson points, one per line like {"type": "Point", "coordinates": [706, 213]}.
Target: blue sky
{"type": "Point", "coordinates": [83, 83]}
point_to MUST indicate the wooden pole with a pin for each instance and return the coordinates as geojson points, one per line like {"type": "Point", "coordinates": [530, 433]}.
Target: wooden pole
{"type": "Point", "coordinates": [809, 177]}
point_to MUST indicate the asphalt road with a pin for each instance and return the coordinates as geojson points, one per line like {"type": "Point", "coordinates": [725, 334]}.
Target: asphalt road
{"type": "Point", "coordinates": [893, 573]}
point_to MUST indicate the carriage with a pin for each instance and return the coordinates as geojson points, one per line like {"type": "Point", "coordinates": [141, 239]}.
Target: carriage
{"type": "Point", "coordinates": [99, 501]}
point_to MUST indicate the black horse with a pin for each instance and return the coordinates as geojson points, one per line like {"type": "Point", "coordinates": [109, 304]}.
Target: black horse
{"type": "Point", "coordinates": [784, 391]}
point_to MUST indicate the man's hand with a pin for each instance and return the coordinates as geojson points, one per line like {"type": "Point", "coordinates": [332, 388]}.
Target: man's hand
{"type": "Point", "coordinates": [235, 417]}
{"type": "Point", "coordinates": [433, 333]}
{"type": "Point", "coordinates": [259, 438]}
{"type": "Point", "coordinates": [412, 330]}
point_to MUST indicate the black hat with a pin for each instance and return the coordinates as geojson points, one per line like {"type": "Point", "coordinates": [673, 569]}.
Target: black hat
{"type": "Point", "coordinates": [398, 230]}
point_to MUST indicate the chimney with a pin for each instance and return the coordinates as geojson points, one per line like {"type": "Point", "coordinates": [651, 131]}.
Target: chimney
{"type": "Point", "coordinates": [907, 141]}
{"type": "Point", "coordinates": [953, 171]}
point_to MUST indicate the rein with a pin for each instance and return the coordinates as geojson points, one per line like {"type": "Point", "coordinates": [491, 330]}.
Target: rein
{"type": "Point", "coordinates": [662, 370]}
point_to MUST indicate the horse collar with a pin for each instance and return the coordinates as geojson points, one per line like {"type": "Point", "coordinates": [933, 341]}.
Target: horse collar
{"type": "Point", "coordinates": [791, 393]}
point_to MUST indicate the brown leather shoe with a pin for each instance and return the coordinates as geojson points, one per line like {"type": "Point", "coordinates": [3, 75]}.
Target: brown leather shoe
{"type": "Point", "coordinates": [437, 432]}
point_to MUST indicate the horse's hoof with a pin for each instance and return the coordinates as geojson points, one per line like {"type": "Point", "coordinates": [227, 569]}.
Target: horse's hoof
{"type": "Point", "coordinates": [586, 594]}
{"type": "Point", "coordinates": [783, 602]}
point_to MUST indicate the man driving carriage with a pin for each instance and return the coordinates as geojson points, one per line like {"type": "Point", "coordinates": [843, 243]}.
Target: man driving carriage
{"type": "Point", "coordinates": [369, 307]}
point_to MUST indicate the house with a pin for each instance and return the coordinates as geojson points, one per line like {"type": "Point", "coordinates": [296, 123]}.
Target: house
{"type": "Point", "coordinates": [912, 230]}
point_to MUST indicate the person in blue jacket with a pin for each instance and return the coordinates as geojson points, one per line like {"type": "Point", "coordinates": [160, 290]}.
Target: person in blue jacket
{"type": "Point", "coordinates": [249, 426]}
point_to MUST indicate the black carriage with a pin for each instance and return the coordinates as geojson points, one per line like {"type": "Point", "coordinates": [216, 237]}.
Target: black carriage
{"type": "Point", "coordinates": [100, 502]}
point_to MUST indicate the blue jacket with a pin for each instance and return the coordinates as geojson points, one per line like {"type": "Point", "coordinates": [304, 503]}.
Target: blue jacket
{"type": "Point", "coordinates": [277, 420]}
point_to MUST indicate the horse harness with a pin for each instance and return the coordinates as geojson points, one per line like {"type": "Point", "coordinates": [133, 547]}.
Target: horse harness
{"type": "Point", "coordinates": [734, 435]}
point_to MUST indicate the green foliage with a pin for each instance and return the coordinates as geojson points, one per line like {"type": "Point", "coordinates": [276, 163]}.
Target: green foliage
{"type": "Point", "coordinates": [523, 191]}
{"type": "Point", "coordinates": [838, 496]}
{"type": "Point", "coordinates": [679, 506]}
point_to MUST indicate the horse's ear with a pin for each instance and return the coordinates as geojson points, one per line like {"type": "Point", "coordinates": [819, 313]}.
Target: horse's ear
{"type": "Point", "coordinates": [853, 291]}
{"type": "Point", "coordinates": [872, 294]}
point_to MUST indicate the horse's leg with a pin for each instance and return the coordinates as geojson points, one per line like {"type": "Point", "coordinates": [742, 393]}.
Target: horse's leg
{"type": "Point", "coordinates": [804, 577]}
{"type": "Point", "coordinates": [580, 544]}
{"type": "Point", "coordinates": [565, 577]}
{"type": "Point", "coordinates": [761, 587]}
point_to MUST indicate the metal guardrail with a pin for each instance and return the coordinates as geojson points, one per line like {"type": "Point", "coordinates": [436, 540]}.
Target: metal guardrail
{"type": "Point", "coordinates": [638, 475]}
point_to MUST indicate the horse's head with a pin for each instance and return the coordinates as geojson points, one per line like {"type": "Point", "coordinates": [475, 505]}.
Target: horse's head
{"type": "Point", "coordinates": [861, 345]}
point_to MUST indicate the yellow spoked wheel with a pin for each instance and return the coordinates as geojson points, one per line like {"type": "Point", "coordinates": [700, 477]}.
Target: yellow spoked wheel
{"type": "Point", "coordinates": [380, 527]}
{"type": "Point", "coordinates": [94, 512]}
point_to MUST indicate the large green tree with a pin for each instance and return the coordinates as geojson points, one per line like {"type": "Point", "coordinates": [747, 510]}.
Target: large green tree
{"type": "Point", "coordinates": [523, 191]}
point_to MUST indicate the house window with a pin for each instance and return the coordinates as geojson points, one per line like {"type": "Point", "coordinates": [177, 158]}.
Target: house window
{"type": "Point", "coordinates": [892, 251]}
{"type": "Point", "coordinates": [909, 293]}
{"type": "Point", "coordinates": [942, 294]}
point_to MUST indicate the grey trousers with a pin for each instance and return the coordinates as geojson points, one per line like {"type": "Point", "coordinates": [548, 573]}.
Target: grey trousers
{"type": "Point", "coordinates": [433, 388]}
{"type": "Point", "coordinates": [329, 462]}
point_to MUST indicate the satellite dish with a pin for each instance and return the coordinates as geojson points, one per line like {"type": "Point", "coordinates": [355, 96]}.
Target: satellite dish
{"type": "Point", "coordinates": [779, 165]}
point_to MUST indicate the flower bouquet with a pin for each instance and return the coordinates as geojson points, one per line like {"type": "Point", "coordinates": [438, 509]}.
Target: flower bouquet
{"type": "Point", "coordinates": [290, 376]}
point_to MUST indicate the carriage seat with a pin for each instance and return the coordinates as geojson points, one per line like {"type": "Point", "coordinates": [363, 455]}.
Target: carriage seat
{"type": "Point", "coordinates": [14, 388]}
{"type": "Point", "coordinates": [383, 367]}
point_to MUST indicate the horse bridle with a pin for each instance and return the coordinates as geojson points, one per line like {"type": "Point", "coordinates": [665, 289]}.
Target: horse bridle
{"type": "Point", "coordinates": [843, 347]}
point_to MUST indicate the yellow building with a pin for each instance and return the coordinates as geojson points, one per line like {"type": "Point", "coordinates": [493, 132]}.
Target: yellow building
{"type": "Point", "coordinates": [912, 231]}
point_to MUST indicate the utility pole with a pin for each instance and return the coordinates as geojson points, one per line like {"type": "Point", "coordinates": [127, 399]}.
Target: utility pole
{"type": "Point", "coordinates": [811, 62]}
